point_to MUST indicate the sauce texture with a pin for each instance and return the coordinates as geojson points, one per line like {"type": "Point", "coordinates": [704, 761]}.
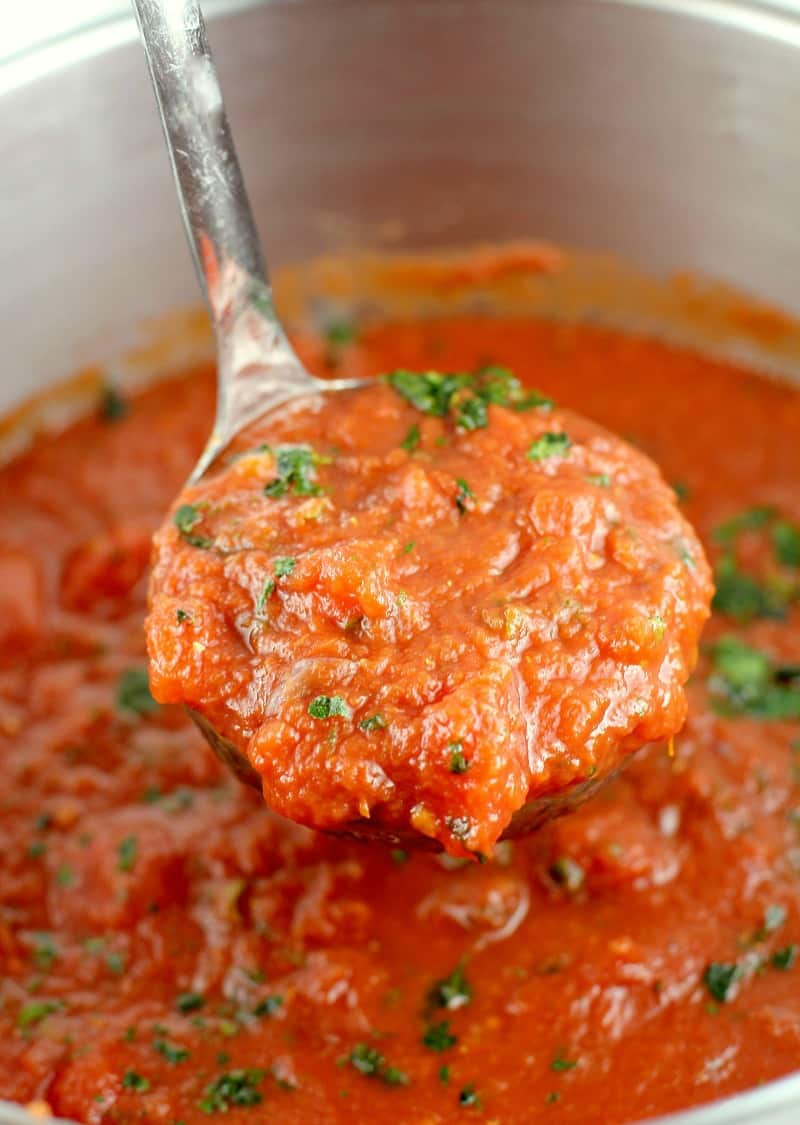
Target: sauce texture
{"type": "Point", "coordinates": [171, 951]}
{"type": "Point", "coordinates": [427, 602]}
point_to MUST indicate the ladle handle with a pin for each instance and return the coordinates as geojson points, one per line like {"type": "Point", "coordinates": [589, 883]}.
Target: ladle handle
{"type": "Point", "coordinates": [216, 212]}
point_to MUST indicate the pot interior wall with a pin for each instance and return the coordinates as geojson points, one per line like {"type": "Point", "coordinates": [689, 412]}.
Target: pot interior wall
{"type": "Point", "coordinates": [668, 138]}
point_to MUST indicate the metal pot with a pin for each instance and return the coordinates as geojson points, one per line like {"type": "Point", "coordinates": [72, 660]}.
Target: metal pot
{"type": "Point", "coordinates": [661, 130]}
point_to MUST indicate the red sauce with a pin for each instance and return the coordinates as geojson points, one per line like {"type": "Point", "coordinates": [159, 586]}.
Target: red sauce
{"type": "Point", "coordinates": [169, 948]}
{"type": "Point", "coordinates": [427, 602]}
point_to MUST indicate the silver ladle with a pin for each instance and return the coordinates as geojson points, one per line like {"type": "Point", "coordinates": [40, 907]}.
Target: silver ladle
{"type": "Point", "coordinates": [257, 368]}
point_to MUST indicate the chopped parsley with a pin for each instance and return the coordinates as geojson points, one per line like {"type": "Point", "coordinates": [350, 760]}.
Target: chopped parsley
{"type": "Point", "coordinates": [113, 407]}
{"type": "Point", "coordinates": [340, 332]}
{"type": "Point", "coordinates": [774, 917]}
{"type": "Point", "coordinates": [549, 445]}
{"type": "Point", "coordinates": [133, 692]}
{"type": "Point", "coordinates": [34, 1012]}
{"type": "Point", "coordinates": [133, 1081]}
{"type": "Point", "coordinates": [412, 439]}
{"type": "Point", "coordinates": [370, 1062]}
{"type": "Point", "coordinates": [182, 616]}
{"type": "Point", "coordinates": [430, 392]}
{"type": "Point", "coordinates": [754, 519]}
{"type": "Point", "coordinates": [746, 681]}
{"type": "Point", "coordinates": [741, 596]}
{"type": "Point", "coordinates": [172, 1052]}
{"type": "Point", "coordinates": [295, 468]}
{"type": "Point", "coordinates": [465, 397]}
{"type": "Point", "coordinates": [44, 952]}
{"type": "Point", "coordinates": [189, 1002]}
{"type": "Point", "coordinates": [786, 543]}
{"type": "Point", "coordinates": [327, 706]}
{"type": "Point", "coordinates": [451, 992]}
{"type": "Point", "coordinates": [232, 1090]}
{"type": "Point", "coordinates": [65, 876]}
{"type": "Point", "coordinates": [458, 763]}
{"type": "Point", "coordinates": [465, 497]}
{"type": "Point", "coordinates": [439, 1037]}
{"type": "Point", "coordinates": [268, 1006]}
{"type": "Point", "coordinates": [284, 566]}
{"type": "Point", "coordinates": [561, 1063]}
{"type": "Point", "coordinates": [186, 519]}
{"type": "Point", "coordinates": [373, 722]}
{"type": "Point", "coordinates": [127, 851]}
{"type": "Point", "coordinates": [468, 1096]}
{"type": "Point", "coordinates": [567, 873]}
{"type": "Point", "coordinates": [783, 959]}
{"type": "Point", "coordinates": [720, 978]}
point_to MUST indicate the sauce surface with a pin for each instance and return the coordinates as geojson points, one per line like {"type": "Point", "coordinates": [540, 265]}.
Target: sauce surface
{"type": "Point", "coordinates": [427, 602]}
{"type": "Point", "coordinates": [170, 951]}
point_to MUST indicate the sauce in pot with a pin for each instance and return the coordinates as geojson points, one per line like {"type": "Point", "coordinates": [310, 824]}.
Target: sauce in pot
{"type": "Point", "coordinates": [171, 951]}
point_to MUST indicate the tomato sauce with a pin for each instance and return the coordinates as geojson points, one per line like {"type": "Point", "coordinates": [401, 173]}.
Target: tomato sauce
{"type": "Point", "coordinates": [393, 643]}
{"type": "Point", "coordinates": [170, 950]}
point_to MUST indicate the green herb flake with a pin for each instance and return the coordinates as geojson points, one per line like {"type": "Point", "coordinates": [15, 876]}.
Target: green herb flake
{"type": "Point", "coordinates": [133, 693]}
{"type": "Point", "coordinates": [786, 543]}
{"type": "Point", "coordinates": [444, 1075]}
{"type": "Point", "coordinates": [451, 992]}
{"type": "Point", "coordinates": [370, 1062]}
{"type": "Point", "coordinates": [34, 1012]}
{"type": "Point", "coordinates": [458, 762]}
{"type": "Point", "coordinates": [284, 566]}
{"type": "Point", "coordinates": [37, 849]}
{"type": "Point", "coordinates": [783, 959]}
{"type": "Point", "coordinates": [398, 856]}
{"type": "Point", "coordinates": [268, 1006]}
{"type": "Point", "coordinates": [189, 1002]}
{"type": "Point", "coordinates": [412, 439]}
{"type": "Point", "coordinates": [182, 616]}
{"type": "Point", "coordinates": [339, 333]}
{"type": "Point", "coordinates": [553, 1097]}
{"type": "Point", "coordinates": [549, 445]}
{"type": "Point", "coordinates": [295, 467]}
{"type": "Point", "coordinates": [44, 952]}
{"type": "Point", "coordinates": [373, 722]}
{"type": "Point", "coordinates": [468, 1096]}
{"type": "Point", "coordinates": [186, 519]}
{"type": "Point", "coordinates": [232, 1090]}
{"type": "Point", "coordinates": [567, 873]}
{"type": "Point", "coordinates": [560, 1063]}
{"type": "Point", "coordinates": [465, 497]}
{"type": "Point", "coordinates": [172, 1052]}
{"type": "Point", "coordinates": [430, 392]}
{"type": "Point", "coordinates": [409, 547]}
{"type": "Point", "coordinates": [754, 519]}
{"type": "Point", "coordinates": [127, 851]}
{"type": "Point", "coordinates": [741, 596]}
{"type": "Point", "coordinates": [599, 480]}
{"type": "Point", "coordinates": [133, 1081]}
{"type": "Point", "coordinates": [472, 413]}
{"type": "Point", "coordinates": [113, 407]}
{"type": "Point", "coordinates": [328, 706]}
{"type": "Point", "coordinates": [720, 978]}
{"type": "Point", "coordinates": [746, 681]}
{"type": "Point", "coordinates": [65, 876]}
{"type": "Point", "coordinates": [439, 1037]}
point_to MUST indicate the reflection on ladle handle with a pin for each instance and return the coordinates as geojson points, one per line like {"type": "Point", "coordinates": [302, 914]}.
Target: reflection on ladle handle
{"type": "Point", "coordinates": [216, 212]}
{"type": "Point", "coordinates": [256, 363]}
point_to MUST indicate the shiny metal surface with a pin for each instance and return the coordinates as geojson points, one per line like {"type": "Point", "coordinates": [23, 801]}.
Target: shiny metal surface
{"type": "Point", "coordinates": [663, 130]}
{"type": "Point", "coordinates": [257, 368]}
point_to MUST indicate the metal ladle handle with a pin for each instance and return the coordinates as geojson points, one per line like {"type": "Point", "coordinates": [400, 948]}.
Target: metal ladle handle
{"type": "Point", "coordinates": [256, 363]}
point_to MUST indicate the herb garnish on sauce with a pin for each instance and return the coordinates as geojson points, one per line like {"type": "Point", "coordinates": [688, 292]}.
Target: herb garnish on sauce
{"type": "Point", "coordinates": [548, 445]}
{"type": "Point", "coordinates": [465, 397]}
{"type": "Point", "coordinates": [295, 468]}
{"type": "Point", "coordinates": [186, 519]}
{"type": "Point", "coordinates": [327, 706]}
{"type": "Point", "coordinates": [746, 681]}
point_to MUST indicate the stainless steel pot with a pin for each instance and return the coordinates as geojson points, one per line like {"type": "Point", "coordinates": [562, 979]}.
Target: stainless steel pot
{"type": "Point", "coordinates": [665, 131]}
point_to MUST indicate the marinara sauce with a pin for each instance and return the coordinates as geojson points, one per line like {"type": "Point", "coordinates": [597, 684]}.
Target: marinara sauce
{"type": "Point", "coordinates": [171, 951]}
{"type": "Point", "coordinates": [427, 602]}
